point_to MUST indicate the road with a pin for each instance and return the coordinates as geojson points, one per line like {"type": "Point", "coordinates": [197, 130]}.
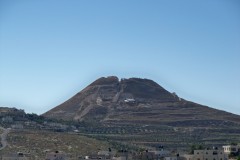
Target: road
{"type": "Point", "coordinates": [4, 137]}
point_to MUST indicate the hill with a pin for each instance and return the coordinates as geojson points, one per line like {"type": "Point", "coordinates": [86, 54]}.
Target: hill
{"type": "Point", "coordinates": [136, 100]}
{"type": "Point", "coordinates": [139, 112]}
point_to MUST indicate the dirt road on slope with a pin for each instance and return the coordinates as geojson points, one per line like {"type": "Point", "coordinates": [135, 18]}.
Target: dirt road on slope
{"type": "Point", "coordinates": [4, 137]}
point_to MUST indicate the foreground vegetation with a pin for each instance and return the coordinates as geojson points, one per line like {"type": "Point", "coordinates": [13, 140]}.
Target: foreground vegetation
{"type": "Point", "coordinates": [37, 143]}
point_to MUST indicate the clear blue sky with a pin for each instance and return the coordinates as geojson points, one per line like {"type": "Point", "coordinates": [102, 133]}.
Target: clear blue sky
{"type": "Point", "coordinates": [50, 50]}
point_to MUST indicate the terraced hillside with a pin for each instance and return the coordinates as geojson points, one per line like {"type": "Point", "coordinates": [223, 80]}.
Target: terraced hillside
{"type": "Point", "coordinates": [135, 100]}
{"type": "Point", "coordinates": [141, 112]}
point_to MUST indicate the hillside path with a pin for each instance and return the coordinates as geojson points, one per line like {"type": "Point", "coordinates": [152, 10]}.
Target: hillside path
{"type": "Point", "coordinates": [3, 137]}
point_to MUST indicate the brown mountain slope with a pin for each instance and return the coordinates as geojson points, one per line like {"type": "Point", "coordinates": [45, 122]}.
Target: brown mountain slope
{"type": "Point", "coordinates": [139, 101]}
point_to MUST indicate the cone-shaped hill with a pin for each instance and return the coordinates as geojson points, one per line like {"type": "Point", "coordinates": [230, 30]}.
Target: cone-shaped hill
{"type": "Point", "coordinates": [136, 101]}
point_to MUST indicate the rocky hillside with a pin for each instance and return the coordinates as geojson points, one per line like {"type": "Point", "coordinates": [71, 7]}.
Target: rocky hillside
{"type": "Point", "coordinates": [139, 101]}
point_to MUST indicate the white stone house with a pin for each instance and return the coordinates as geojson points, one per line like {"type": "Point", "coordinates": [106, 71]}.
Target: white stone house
{"type": "Point", "coordinates": [231, 149]}
{"type": "Point", "coordinates": [207, 154]}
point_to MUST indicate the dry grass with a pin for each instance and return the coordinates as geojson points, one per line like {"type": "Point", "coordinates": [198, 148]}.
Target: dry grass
{"type": "Point", "coordinates": [37, 142]}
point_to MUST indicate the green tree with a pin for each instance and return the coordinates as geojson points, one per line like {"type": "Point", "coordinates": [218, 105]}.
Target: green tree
{"type": "Point", "coordinates": [233, 143]}
{"type": "Point", "coordinates": [195, 147]}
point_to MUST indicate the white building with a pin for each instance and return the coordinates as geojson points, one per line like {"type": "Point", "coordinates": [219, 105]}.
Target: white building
{"type": "Point", "coordinates": [231, 149]}
{"type": "Point", "coordinates": [129, 100]}
{"type": "Point", "coordinates": [207, 154]}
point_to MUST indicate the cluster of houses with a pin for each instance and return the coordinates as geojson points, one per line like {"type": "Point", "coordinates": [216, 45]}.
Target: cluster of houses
{"type": "Point", "coordinates": [224, 153]}
{"type": "Point", "coordinates": [207, 154]}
